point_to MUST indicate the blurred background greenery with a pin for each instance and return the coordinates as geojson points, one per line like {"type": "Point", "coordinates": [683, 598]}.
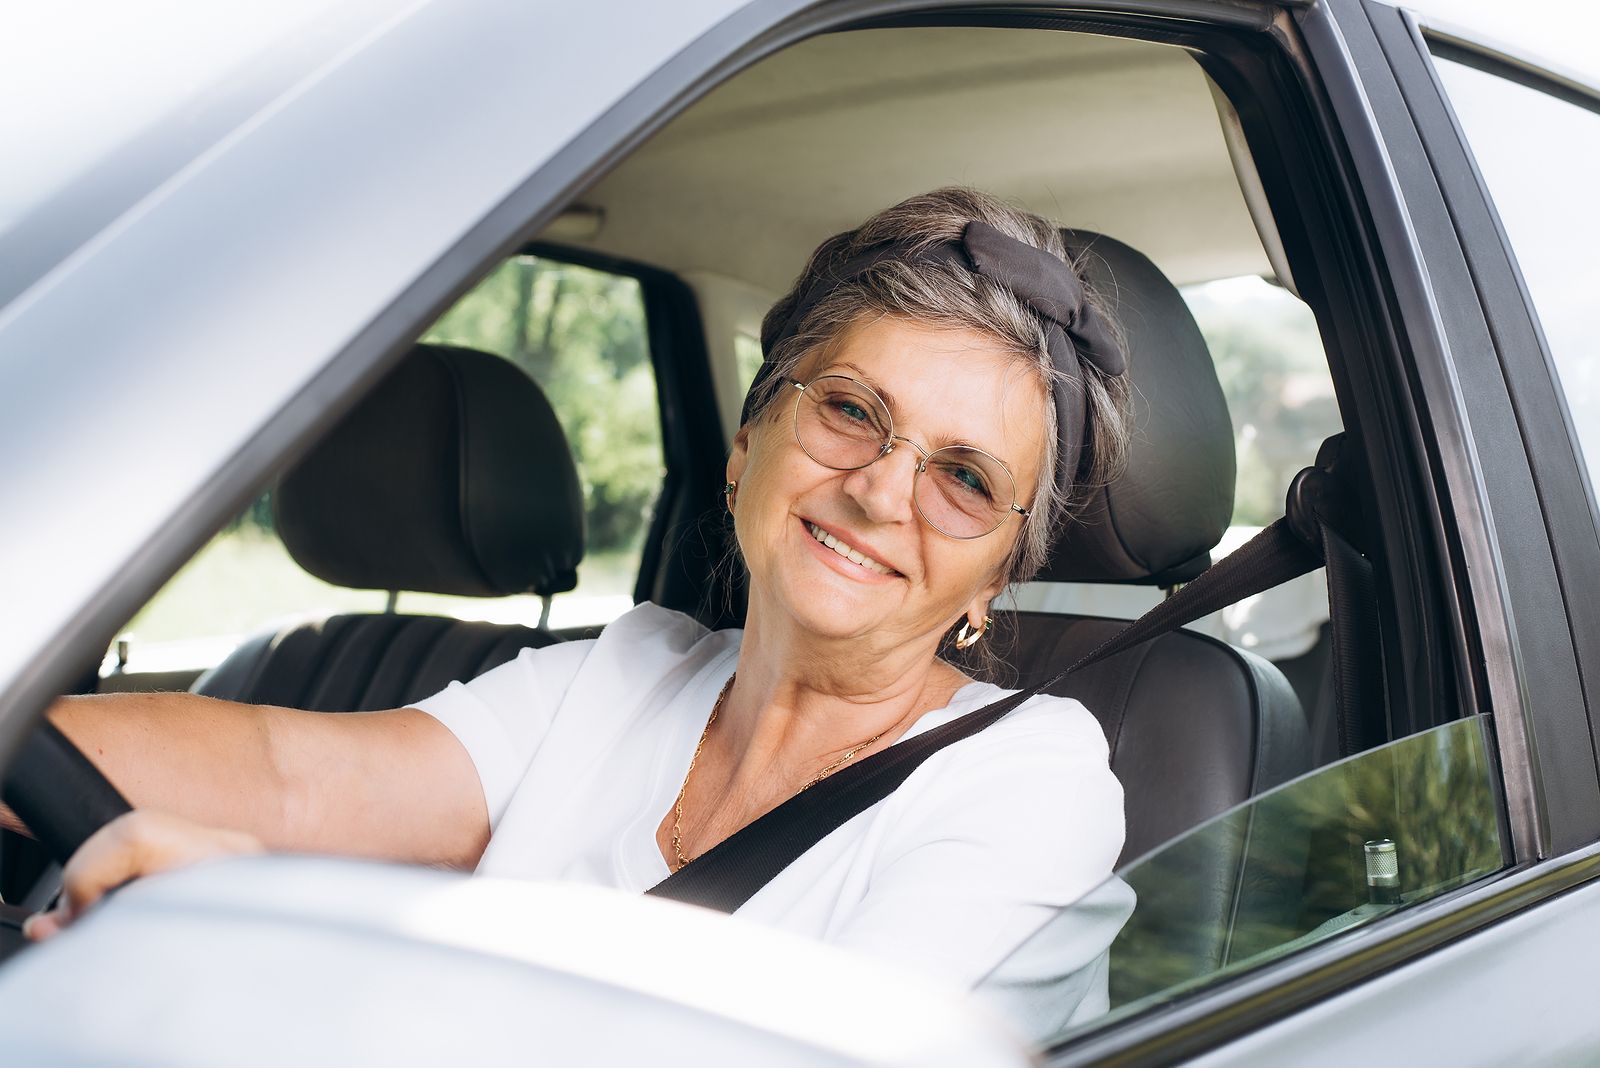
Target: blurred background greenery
{"type": "Point", "coordinates": [1274, 373]}
{"type": "Point", "coordinates": [581, 335]}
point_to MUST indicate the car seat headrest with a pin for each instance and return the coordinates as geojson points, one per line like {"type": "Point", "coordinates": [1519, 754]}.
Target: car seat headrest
{"type": "Point", "coordinates": [452, 476]}
{"type": "Point", "coordinates": [1159, 521]}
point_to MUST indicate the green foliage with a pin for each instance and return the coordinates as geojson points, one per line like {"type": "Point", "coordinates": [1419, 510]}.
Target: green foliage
{"type": "Point", "coordinates": [581, 335]}
{"type": "Point", "coordinates": [256, 517]}
{"type": "Point", "coordinates": [747, 360]}
{"type": "Point", "coordinates": [1274, 374]}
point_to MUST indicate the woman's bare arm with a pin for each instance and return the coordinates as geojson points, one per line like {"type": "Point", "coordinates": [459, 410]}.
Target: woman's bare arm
{"type": "Point", "coordinates": [394, 785]}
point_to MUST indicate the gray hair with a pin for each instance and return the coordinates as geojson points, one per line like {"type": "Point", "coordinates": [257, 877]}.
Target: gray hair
{"type": "Point", "coordinates": [947, 295]}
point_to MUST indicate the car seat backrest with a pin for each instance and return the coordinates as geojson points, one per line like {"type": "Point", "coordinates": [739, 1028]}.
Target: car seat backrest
{"type": "Point", "coordinates": [452, 476]}
{"type": "Point", "coordinates": [1157, 523]}
{"type": "Point", "coordinates": [1195, 726]}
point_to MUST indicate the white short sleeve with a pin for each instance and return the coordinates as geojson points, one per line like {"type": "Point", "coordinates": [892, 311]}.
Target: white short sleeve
{"type": "Point", "coordinates": [503, 715]}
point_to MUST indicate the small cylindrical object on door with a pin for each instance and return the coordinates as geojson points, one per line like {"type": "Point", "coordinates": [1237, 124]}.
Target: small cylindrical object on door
{"type": "Point", "coordinates": [1383, 872]}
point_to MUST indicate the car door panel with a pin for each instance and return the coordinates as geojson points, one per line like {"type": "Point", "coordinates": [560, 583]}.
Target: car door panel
{"type": "Point", "coordinates": [1515, 992]}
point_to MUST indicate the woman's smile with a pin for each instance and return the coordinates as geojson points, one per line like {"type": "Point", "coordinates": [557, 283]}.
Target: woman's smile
{"type": "Point", "coordinates": [843, 552]}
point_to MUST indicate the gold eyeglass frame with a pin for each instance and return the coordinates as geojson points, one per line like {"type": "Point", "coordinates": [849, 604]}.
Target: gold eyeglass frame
{"type": "Point", "coordinates": [888, 446]}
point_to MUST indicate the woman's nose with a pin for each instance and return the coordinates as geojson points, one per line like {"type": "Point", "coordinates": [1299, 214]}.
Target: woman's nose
{"type": "Point", "coordinates": [883, 488]}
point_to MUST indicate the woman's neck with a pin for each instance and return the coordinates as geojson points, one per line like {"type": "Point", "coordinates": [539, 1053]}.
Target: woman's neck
{"type": "Point", "coordinates": [800, 699]}
{"type": "Point", "coordinates": [798, 708]}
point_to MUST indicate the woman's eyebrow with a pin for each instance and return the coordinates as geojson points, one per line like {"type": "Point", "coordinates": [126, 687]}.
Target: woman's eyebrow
{"type": "Point", "coordinates": [888, 400]}
{"type": "Point", "coordinates": [866, 379]}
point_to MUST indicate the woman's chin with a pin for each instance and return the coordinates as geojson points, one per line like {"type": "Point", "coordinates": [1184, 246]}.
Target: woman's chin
{"type": "Point", "coordinates": [830, 596]}
{"type": "Point", "coordinates": [831, 610]}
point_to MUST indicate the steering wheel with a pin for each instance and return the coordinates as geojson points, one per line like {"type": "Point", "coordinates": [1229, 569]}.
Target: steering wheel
{"type": "Point", "coordinates": [58, 792]}
{"type": "Point", "coordinates": [62, 797]}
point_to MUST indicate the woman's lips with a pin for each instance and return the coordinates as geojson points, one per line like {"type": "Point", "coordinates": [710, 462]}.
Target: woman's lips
{"type": "Point", "coordinates": [855, 556]}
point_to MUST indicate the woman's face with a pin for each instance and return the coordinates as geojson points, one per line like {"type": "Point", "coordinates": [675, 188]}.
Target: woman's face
{"type": "Point", "coordinates": [942, 387]}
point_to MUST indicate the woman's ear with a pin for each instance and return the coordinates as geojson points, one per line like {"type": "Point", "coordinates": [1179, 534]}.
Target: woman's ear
{"type": "Point", "coordinates": [740, 454]}
{"type": "Point", "coordinates": [979, 607]}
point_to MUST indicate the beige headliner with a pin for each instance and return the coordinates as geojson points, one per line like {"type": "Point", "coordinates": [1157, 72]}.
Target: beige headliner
{"type": "Point", "coordinates": [1116, 136]}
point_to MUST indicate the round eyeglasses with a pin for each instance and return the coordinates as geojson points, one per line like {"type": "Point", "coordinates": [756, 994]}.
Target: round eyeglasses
{"type": "Point", "coordinates": [959, 491]}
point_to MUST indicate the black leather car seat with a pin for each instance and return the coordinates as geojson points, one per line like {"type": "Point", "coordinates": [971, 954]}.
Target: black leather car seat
{"type": "Point", "coordinates": [1194, 725]}
{"type": "Point", "coordinates": [453, 476]}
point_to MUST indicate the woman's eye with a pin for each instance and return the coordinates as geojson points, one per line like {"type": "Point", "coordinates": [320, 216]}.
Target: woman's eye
{"type": "Point", "coordinates": [967, 480]}
{"type": "Point", "coordinates": [849, 413]}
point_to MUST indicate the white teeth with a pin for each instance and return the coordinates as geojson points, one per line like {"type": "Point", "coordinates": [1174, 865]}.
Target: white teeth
{"type": "Point", "coordinates": [845, 551]}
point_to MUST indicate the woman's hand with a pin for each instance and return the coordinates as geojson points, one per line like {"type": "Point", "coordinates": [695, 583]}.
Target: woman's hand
{"type": "Point", "coordinates": [139, 843]}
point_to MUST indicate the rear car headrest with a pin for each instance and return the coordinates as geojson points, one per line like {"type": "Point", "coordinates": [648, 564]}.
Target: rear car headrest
{"type": "Point", "coordinates": [1158, 522]}
{"type": "Point", "coordinates": [452, 476]}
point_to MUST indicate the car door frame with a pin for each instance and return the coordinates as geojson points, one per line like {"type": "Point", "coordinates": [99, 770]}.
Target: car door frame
{"type": "Point", "coordinates": [1564, 487]}
{"type": "Point", "coordinates": [1545, 533]}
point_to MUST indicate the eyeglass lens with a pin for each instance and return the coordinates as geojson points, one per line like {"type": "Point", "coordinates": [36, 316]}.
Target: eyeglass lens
{"type": "Point", "coordinates": [960, 491]}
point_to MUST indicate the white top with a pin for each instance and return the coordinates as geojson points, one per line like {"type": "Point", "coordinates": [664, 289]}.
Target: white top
{"type": "Point", "coordinates": [581, 748]}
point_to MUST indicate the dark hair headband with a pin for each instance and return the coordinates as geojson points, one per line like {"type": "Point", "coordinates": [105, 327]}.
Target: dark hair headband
{"type": "Point", "coordinates": [1075, 332]}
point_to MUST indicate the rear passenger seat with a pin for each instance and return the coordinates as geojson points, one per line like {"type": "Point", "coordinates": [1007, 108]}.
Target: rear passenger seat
{"type": "Point", "coordinates": [454, 477]}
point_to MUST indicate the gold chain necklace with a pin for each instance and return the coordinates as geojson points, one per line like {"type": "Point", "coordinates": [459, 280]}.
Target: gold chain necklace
{"type": "Point", "coordinates": [831, 768]}
{"type": "Point", "coordinates": [677, 806]}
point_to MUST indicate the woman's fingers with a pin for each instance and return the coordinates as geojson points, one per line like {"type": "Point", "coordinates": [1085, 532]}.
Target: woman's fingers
{"type": "Point", "coordinates": [42, 925]}
{"type": "Point", "coordinates": [110, 857]}
{"type": "Point", "coordinates": [139, 843]}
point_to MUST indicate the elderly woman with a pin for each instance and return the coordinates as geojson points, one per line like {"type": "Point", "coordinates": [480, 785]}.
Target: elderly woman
{"type": "Point", "coordinates": [938, 392]}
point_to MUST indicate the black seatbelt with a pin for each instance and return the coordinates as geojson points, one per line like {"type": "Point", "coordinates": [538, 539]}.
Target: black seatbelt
{"type": "Point", "coordinates": [1320, 507]}
{"type": "Point", "coordinates": [1353, 629]}
{"type": "Point", "coordinates": [728, 874]}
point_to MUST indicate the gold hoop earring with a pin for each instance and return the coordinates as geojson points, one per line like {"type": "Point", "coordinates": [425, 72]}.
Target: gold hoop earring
{"type": "Point", "coordinates": [967, 637]}
{"type": "Point", "coordinates": [729, 492]}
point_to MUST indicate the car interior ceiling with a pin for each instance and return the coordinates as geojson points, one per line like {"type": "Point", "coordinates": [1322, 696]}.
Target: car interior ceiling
{"type": "Point", "coordinates": [1120, 138]}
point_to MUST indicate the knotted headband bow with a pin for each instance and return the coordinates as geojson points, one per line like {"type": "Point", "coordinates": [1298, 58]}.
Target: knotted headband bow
{"type": "Point", "coordinates": [1075, 332]}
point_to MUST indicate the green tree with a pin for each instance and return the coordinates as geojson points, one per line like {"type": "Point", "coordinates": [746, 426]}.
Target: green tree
{"type": "Point", "coordinates": [1270, 361]}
